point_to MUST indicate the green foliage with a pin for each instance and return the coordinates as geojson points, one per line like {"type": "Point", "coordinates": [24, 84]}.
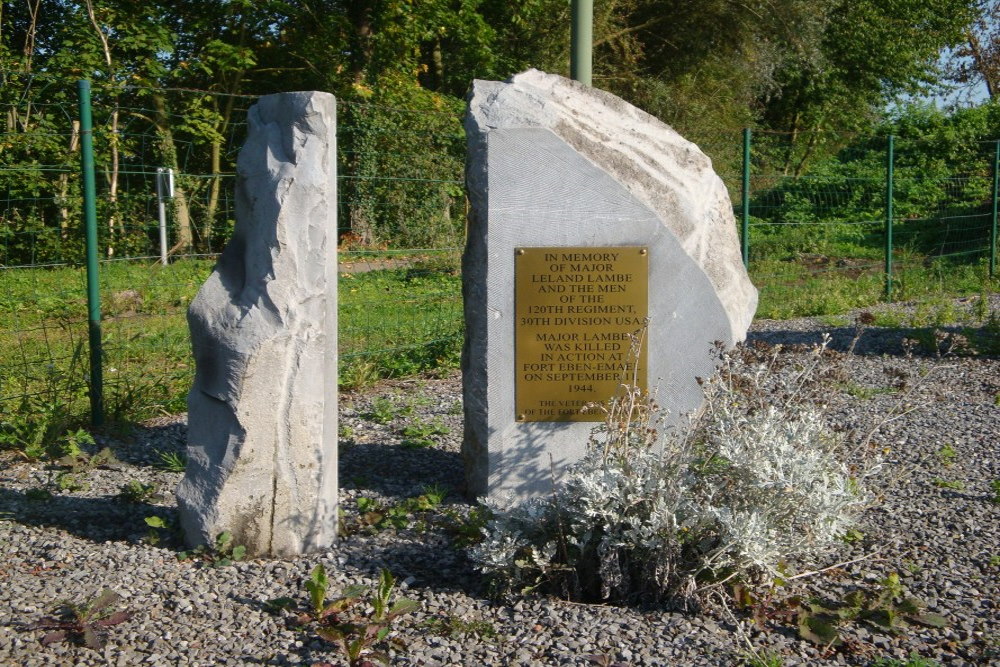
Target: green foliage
{"type": "Point", "coordinates": [887, 609]}
{"type": "Point", "coordinates": [954, 485]}
{"type": "Point", "coordinates": [38, 494]}
{"type": "Point", "coordinates": [359, 635]}
{"type": "Point", "coordinates": [135, 491]}
{"type": "Point", "coordinates": [421, 433]}
{"type": "Point", "coordinates": [162, 530]}
{"type": "Point", "coordinates": [763, 659]}
{"type": "Point", "coordinates": [995, 488]}
{"type": "Point", "coordinates": [467, 530]}
{"type": "Point", "coordinates": [947, 455]}
{"type": "Point", "coordinates": [456, 628]}
{"type": "Point", "coordinates": [220, 554]}
{"type": "Point", "coordinates": [374, 516]}
{"type": "Point", "coordinates": [914, 660]}
{"type": "Point", "coordinates": [170, 461]}
{"type": "Point", "coordinates": [85, 623]}
{"type": "Point", "coordinates": [384, 409]}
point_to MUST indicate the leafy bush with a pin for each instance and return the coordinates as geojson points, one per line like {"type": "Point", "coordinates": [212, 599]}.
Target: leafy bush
{"type": "Point", "coordinates": [756, 479]}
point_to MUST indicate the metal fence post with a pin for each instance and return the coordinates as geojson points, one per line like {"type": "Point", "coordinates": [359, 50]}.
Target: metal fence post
{"type": "Point", "coordinates": [890, 148]}
{"type": "Point", "coordinates": [993, 227]}
{"type": "Point", "coordinates": [90, 227]}
{"type": "Point", "coordinates": [745, 217]}
{"type": "Point", "coordinates": [164, 190]}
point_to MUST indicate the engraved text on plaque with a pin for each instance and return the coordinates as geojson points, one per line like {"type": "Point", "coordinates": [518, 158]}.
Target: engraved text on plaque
{"type": "Point", "coordinates": [575, 309]}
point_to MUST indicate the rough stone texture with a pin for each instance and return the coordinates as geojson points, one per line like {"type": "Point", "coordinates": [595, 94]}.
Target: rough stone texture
{"type": "Point", "coordinates": [262, 439]}
{"type": "Point", "coordinates": [554, 163]}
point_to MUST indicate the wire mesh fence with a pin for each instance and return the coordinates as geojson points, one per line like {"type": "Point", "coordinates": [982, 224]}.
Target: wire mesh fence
{"type": "Point", "coordinates": [816, 236]}
{"type": "Point", "coordinates": [892, 217]}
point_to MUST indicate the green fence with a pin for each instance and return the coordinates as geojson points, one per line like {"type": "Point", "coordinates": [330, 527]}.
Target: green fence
{"type": "Point", "coordinates": [887, 217]}
{"type": "Point", "coordinates": [400, 179]}
{"type": "Point", "coordinates": [815, 239]}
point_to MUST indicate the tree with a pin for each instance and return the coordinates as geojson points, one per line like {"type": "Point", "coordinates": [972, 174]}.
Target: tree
{"type": "Point", "coordinates": [977, 60]}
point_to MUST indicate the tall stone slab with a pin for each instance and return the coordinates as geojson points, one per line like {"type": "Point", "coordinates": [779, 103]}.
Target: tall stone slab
{"type": "Point", "coordinates": [262, 414]}
{"type": "Point", "coordinates": [553, 163]}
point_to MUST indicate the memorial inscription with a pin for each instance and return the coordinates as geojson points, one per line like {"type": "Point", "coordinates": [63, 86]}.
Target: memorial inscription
{"type": "Point", "coordinates": [576, 309]}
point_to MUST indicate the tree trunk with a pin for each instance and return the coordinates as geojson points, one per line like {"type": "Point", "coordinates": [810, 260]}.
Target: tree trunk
{"type": "Point", "coordinates": [168, 151]}
{"type": "Point", "coordinates": [983, 64]}
{"type": "Point", "coordinates": [361, 19]}
{"type": "Point", "coordinates": [64, 212]}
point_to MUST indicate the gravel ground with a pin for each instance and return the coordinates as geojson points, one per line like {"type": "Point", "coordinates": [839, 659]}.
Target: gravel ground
{"type": "Point", "coordinates": [935, 524]}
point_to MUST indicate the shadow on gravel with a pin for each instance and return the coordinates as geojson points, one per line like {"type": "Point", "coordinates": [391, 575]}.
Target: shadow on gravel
{"type": "Point", "coordinates": [141, 445]}
{"type": "Point", "coordinates": [95, 519]}
{"type": "Point", "coordinates": [927, 341]}
{"type": "Point", "coordinates": [394, 470]}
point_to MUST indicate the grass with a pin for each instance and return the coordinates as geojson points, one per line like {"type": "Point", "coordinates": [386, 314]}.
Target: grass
{"type": "Point", "coordinates": [796, 289]}
{"type": "Point", "coordinates": [392, 322]}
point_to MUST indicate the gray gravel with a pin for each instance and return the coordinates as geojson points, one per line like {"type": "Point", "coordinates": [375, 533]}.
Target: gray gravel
{"type": "Point", "coordinates": [935, 524]}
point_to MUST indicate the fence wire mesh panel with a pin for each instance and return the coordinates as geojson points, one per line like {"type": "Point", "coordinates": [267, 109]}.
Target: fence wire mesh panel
{"type": "Point", "coordinates": [43, 357]}
{"type": "Point", "coordinates": [401, 212]}
{"type": "Point", "coordinates": [816, 235]}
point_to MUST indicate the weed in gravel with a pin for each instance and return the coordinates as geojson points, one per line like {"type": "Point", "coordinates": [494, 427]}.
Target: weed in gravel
{"type": "Point", "coordinates": [454, 627]}
{"type": "Point", "coordinates": [85, 623]}
{"type": "Point", "coordinates": [762, 659]}
{"type": "Point", "coordinates": [947, 455]}
{"type": "Point", "coordinates": [357, 635]}
{"type": "Point", "coordinates": [69, 483]}
{"type": "Point", "coordinates": [136, 492]}
{"type": "Point", "coordinates": [38, 494]}
{"type": "Point", "coordinates": [374, 516]}
{"type": "Point", "coordinates": [162, 530]}
{"type": "Point", "coordinates": [384, 409]}
{"type": "Point", "coordinates": [467, 530]}
{"type": "Point", "coordinates": [865, 393]}
{"type": "Point", "coordinates": [888, 609]}
{"type": "Point", "coordinates": [914, 660]}
{"type": "Point", "coordinates": [851, 536]}
{"type": "Point", "coordinates": [954, 485]}
{"type": "Point", "coordinates": [220, 554]}
{"type": "Point", "coordinates": [170, 461]}
{"type": "Point", "coordinates": [994, 560]}
{"type": "Point", "coordinates": [995, 488]}
{"type": "Point", "coordinates": [422, 433]}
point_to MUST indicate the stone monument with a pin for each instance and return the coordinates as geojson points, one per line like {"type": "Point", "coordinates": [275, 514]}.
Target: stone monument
{"type": "Point", "coordinates": [588, 219]}
{"type": "Point", "coordinates": [262, 414]}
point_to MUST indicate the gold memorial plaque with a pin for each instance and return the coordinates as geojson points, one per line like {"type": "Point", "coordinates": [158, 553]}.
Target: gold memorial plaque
{"type": "Point", "coordinates": [575, 310]}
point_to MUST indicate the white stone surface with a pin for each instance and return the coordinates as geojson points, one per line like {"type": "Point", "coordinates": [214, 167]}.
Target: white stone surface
{"type": "Point", "coordinates": [262, 414]}
{"type": "Point", "coordinates": [555, 163]}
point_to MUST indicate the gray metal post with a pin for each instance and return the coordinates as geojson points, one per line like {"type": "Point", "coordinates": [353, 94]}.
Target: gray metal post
{"type": "Point", "coordinates": [582, 41]}
{"type": "Point", "coordinates": [745, 212]}
{"type": "Point", "coordinates": [164, 190]}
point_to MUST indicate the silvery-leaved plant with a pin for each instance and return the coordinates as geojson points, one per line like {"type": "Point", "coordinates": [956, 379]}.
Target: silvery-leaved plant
{"type": "Point", "coordinates": [755, 479]}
